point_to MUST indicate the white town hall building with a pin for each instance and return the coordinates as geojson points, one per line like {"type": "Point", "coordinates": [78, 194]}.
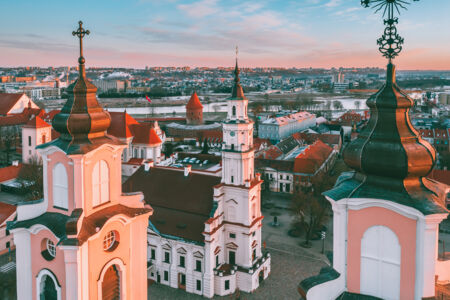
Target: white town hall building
{"type": "Point", "coordinates": [205, 233]}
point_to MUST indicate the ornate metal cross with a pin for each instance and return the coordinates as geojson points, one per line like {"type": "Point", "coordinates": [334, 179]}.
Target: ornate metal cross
{"type": "Point", "coordinates": [81, 33]}
{"type": "Point", "coordinates": [390, 43]}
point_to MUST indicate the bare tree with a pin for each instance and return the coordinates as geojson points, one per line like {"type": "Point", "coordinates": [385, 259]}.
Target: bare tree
{"type": "Point", "coordinates": [357, 104]}
{"type": "Point", "coordinates": [31, 178]}
{"type": "Point", "coordinates": [310, 206]}
{"type": "Point", "coordinates": [337, 105]}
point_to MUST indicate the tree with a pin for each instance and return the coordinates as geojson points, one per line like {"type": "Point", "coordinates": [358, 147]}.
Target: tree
{"type": "Point", "coordinates": [357, 104]}
{"type": "Point", "coordinates": [256, 110]}
{"type": "Point", "coordinates": [310, 207]}
{"type": "Point", "coordinates": [205, 147]}
{"type": "Point", "coordinates": [31, 178]}
{"type": "Point", "coordinates": [337, 105]}
{"type": "Point", "coordinates": [168, 149]}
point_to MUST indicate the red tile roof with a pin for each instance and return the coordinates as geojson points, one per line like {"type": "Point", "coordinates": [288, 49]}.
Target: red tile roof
{"type": "Point", "coordinates": [37, 122]}
{"type": "Point", "coordinates": [135, 161]}
{"type": "Point", "coordinates": [121, 123]}
{"type": "Point", "coordinates": [145, 134]}
{"type": "Point", "coordinates": [9, 173]}
{"type": "Point", "coordinates": [48, 117]}
{"type": "Point", "coordinates": [20, 119]}
{"type": "Point", "coordinates": [442, 176]}
{"type": "Point", "coordinates": [310, 160]}
{"type": "Point", "coordinates": [176, 199]}
{"type": "Point", "coordinates": [7, 101]}
{"type": "Point", "coordinates": [270, 153]}
{"type": "Point", "coordinates": [6, 210]}
{"type": "Point", "coordinates": [194, 102]}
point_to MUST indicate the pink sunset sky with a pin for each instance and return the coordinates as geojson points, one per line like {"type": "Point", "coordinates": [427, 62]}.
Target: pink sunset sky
{"type": "Point", "coordinates": [308, 33]}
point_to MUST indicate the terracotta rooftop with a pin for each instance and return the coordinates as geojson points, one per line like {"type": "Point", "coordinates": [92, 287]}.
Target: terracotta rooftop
{"type": "Point", "coordinates": [121, 123]}
{"type": "Point", "coordinates": [9, 173]}
{"type": "Point", "coordinates": [145, 134]}
{"type": "Point", "coordinates": [7, 101]}
{"type": "Point", "coordinates": [37, 122]}
{"type": "Point", "coordinates": [310, 160]}
{"type": "Point", "coordinates": [194, 102]}
{"type": "Point", "coordinates": [6, 210]}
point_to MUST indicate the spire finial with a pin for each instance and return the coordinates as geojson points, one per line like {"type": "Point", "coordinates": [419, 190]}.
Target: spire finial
{"type": "Point", "coordinates": [236, 69]}
{"type": "Point", "coordinates": [80, 33]}
{"type": "Point", "coordinates": [390, 43]}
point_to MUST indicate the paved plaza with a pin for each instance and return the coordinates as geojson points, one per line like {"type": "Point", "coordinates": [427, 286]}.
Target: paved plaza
{"type": "Point", "coordinates": [290, 263]}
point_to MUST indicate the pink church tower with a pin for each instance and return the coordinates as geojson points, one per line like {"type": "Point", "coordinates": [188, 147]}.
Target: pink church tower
{"type": "Point", "coordinates": [85, 239]}
{"type": "Point", "coordinates": [386, 212]}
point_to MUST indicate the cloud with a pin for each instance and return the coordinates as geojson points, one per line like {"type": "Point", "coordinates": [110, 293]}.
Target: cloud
{"type": "Point", "coordinates": [200, 9]}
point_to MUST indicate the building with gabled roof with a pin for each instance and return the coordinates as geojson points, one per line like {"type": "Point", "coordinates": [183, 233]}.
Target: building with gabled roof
{"type": "Point", "coordinates": [34, 133]}
{"type": "Point", "coordinates": [205, 234]}
{"type": "Point", "coordinates": [144, 140]}
{"type": "Point", "coordinates": [15, 103]}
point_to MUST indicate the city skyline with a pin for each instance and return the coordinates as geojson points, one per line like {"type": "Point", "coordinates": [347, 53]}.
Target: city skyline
{"type": "Point", "coordinates": [203, 33]}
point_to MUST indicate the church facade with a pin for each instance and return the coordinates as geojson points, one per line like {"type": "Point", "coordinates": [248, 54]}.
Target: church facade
{"type": "Point", "coordinates": [85, 239]}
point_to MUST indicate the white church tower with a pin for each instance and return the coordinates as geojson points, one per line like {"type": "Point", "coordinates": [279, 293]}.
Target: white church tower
{"type": "Point", "coordinates": [242, 192]}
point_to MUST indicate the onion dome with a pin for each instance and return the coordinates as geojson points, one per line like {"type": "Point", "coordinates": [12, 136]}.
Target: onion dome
{"type": "Point", "coordinates": [390, 146]}
{"type": "Point", "coordinates": [237, 93]}
{"type": "Point", "coordinates": [389, 157]}
{"type": "Point", "coordinates": [82, 122]}
{"type": "Point", "coordinates": [194, 102]}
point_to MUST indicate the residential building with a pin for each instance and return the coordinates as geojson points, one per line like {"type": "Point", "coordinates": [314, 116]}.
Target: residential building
{"type": "Point", "coordinates": [36, 132]}
{"type": "Point", "coordinates": [281, 127]}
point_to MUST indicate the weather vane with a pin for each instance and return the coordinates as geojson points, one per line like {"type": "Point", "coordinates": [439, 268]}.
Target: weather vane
{"type": "Point", "coordinates": [390, 43]}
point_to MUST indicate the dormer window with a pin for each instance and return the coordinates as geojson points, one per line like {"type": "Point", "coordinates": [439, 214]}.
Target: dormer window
{"type": "Point", "coordinates": [100, 183]}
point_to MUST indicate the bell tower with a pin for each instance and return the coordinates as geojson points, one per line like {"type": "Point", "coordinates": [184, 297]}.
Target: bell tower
{"type": "Point", "coordinates": [85, 239]}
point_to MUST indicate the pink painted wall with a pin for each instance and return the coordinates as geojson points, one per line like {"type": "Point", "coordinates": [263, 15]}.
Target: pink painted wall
{"type": "Point", "coordinates": [132, 250]}
{"type": "Point", "coordinates": [405, 229]}
{"type": "Point", "coordinates": [38, 262]}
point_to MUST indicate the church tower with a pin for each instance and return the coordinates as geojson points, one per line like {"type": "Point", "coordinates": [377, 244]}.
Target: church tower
{"type": "Point", "coordinates": [386, 213]}
{"type": "Point", "coordinates": [242, 189]}
{"type": "Point", "coordinates": [194, 111]}
{"type": "Point", "coordinates": [85, 239]}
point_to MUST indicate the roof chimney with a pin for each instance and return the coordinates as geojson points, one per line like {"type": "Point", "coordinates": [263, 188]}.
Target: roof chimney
{"type": "Point", "coordinates": [148, 164]}
{"type": "Point", "coordinates": [187, 170]}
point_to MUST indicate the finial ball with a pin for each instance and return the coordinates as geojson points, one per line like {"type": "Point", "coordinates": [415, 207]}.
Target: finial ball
{"type": "Point", "coordinates": [81, 60]}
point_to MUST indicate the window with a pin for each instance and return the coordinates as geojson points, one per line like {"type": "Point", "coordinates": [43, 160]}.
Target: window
{"type": "Point", "coordinates": [182, 261]}
{"type": "Point", "coordinates": [234, 110]}
{"type": "Point", "coordinates": [254, 254]}
{"type": "Point", "coordinates": [48, 249]}
{"type": "Point", "coordinates": [135, 153]}
{"type": "Point", "coordinates": [281, 176]}
{"type": "Point", "coordinates": [152, 253]}
{"type": "Point", "coordinates": [232, 179]}
{"type": "Point", "coordinates": [29, 140]}
{"type": "Point", "coordinates": [142, 153]}
{"type": "Point", "coordinates": [233, 235]}
{"type": "Point", "coordinates": [166, 276]}
{"type": "Point", "coordinates": [60, 187]}
{"type": "Point", "coordinates": [232, 257]}
{"type": "Point", "coordinates": [111, 240]}
{"type": "Point", "coordinates": [254, 210]}
{"type": "Point", "coordinates": [166, 257]}
{"type": "Point", "coordinates": [100, 183]}
{"type": "Point", "coordinates": [199, 285]}
{"type": "Point", "coordinates": [217, 261]}
{"type": "Point", "coordinates": [43, 139]}
{"type": "Point", "coordinates": [227, 285]}
{"type": "Point", "coordinates": [198, 265]}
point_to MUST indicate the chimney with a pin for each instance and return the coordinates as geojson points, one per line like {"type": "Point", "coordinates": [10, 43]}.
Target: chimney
{"type": "Point", "coordinates": [15, 163]}
{"type": "Point", "coordinates": [148, 164]}
{"type": "Point", "coordinates": [187, 170]}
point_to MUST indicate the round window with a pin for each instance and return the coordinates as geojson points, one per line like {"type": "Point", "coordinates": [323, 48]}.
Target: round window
{"type": "Point", "coordinates": [111, 240]}
{"type": "Point", "coordinates": [232, 133]}
{"type": "Point", "coordinates": [48, 249]}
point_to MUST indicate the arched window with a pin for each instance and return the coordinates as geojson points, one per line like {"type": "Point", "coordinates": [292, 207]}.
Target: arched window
{"type": "Point", "coordinates": [43, 139]}
{"type": "Point", "coordinates": [380, 263]}
{"type": "Point", "coordinates": [60, 187]}
{"type": "Point", "coordinates": [100, 183]}
{"type": "Point", "coordinates": [234, 110]}
{"type": "Point", "coordinates": [47, 285]}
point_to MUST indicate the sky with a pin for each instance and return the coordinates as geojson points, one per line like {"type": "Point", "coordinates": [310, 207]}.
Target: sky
{"type": "Point", "coordinates": [269, 33]}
